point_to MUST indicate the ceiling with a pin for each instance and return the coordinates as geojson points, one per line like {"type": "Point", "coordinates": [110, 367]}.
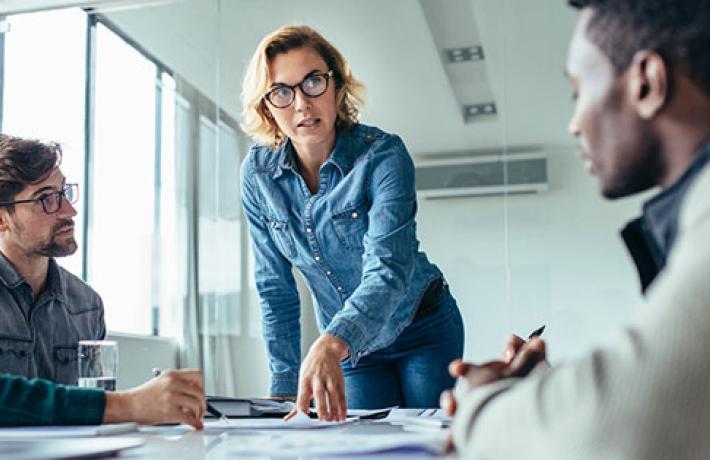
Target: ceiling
{"type": "Point", "coordinates": [392, 48]}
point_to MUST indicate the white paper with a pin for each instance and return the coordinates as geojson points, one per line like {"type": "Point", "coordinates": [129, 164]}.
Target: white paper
{"type": "Point", "coordinates": [330, 444]}
{"type": "Point", "coordinates": [300, 422]}
{"type": "Point", "coordinates": [66, 431]}
{"type": "Point", "coordinates": [367, 413]}
{"type": "Point", "coordinates": [427, 417]}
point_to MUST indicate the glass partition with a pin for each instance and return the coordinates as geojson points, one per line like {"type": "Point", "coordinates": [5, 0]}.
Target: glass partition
{"type": "Point", "coordinates": [475, 88]}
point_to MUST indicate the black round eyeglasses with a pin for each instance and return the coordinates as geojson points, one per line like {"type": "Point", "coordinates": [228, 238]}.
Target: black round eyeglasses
{"type": "Point", "coordinates": [313, 85]}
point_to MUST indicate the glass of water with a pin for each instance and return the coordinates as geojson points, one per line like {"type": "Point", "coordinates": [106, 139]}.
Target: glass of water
{"type": "Point", "coordinates": [98, 364]}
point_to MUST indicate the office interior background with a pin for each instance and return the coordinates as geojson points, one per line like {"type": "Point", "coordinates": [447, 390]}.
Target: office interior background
{"type": "Point", "coordinates": [144, 97]}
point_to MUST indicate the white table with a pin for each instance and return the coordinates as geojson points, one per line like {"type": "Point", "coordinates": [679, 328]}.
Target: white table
{"type": "Point", "coordinates": [176, 444]}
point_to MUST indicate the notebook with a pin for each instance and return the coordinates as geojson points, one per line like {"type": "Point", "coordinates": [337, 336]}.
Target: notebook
{"type": "Point", "coordinates": [66, 431]}
{"type": "Point", "coordinates": [254, 407]}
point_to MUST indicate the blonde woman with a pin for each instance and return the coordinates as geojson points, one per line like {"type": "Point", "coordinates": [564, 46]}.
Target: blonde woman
{"type": "Point", "coordinates": [336, 199]}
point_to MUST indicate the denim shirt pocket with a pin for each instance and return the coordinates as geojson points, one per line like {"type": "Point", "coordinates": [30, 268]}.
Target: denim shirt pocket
{"type": "Point", "coordinates": [281, 234]}
{"type": "Point", "coordinates": [15, 355]}
{"type": "Point", "coordinates": [350, 226]}
{"type": "Point", "coordinates": [66, 366]}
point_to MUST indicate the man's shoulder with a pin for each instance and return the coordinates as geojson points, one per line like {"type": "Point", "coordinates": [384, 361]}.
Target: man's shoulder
{"type": "Point", "coordinates": [261, 159]}
{"type": "Point", "coordinates": [80, 297]}
{"type": "Point", "coordinates": [696, 206]}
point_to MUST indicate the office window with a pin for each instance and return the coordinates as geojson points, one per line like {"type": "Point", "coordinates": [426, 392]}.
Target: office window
{"type": "Point", "coordinates": [123, 183]}
{"type": "Point", "coordinates": [171, 250]}
{"type": "Point", "coordinates": [219, 229]}
{"type": "Point", "coordinates": [164, 231]}
{"type": "Point", "coordinates": [43, 92]}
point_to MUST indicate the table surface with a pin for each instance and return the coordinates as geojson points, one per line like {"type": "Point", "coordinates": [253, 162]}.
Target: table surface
{"type": "Point", "coordinates": [177, 443]}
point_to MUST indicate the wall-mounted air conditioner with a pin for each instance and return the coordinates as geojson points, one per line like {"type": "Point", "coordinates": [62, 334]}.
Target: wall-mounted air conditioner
{"type": "Point", "coordinates": [482, 173]}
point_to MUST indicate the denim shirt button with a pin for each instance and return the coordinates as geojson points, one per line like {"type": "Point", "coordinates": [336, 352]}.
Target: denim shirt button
{"type": "Point", "coordinates": [328, 272]}
{"type": "Point", "coordinates": [317, 258]}
{"type": "Point", "coordinates": [354, 215]}
{"type": "Point", "coordinates": [340, 288]}
{"type": "Point", "coordinates": [309, 230]}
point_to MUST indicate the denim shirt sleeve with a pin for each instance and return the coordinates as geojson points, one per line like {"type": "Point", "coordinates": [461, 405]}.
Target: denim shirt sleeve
{"type": "Point", "coordinates": [278, 296]}
{"type": "Point", "coordinates": [41, 402]}
{"type": "Point", "coordinates": [390, 248]}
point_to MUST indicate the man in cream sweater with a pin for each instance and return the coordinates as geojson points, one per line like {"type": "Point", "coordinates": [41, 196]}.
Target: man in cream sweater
{"type": "Point", "coordinates": [640, 75]}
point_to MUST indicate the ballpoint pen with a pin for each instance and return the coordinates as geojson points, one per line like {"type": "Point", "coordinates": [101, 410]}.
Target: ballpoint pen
{"type": "Point", "coordinates": [537, 332]}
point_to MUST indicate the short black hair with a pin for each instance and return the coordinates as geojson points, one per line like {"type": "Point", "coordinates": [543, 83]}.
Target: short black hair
{"type": "Point", "coordinates": [678, 30]}
{"type": "Point", "coordinates": [24, 162]}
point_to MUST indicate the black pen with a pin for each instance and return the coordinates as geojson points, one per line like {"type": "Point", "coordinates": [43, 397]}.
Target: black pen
{"type": "Point", "coordinates": [537, 332]}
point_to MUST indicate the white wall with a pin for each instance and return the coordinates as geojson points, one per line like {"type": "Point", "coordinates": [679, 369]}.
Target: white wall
{"type": "Point", "coordinates": [138, 355]}
{"type": "Point", "coordinates": [568, 266]}
{"type": "Point", "coordinates": [560, 260]}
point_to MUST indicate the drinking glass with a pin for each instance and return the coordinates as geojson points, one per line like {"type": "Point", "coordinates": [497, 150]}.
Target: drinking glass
{"type": "Point", "coordinates": [98, 364]}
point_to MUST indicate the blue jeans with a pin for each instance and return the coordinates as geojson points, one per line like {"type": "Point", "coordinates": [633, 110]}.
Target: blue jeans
{"type": "Point", "coordinates": [413, 371]}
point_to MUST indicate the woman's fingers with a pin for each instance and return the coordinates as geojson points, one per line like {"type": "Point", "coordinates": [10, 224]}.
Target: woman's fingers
{"type": "Point", "coordinates": [336, 400]}
{"type": "Point", "coordinates": [305, 394]}
{"type": "Point", "coordinates": [319, 395]}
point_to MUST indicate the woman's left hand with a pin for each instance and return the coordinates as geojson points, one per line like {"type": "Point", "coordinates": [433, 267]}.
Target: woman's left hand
{"type": "Point", "coordinates": [321, 378]}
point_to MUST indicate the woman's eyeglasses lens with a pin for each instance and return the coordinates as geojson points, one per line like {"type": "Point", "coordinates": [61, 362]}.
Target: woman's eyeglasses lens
{"type": "Point", "coordinates": [313, 86]}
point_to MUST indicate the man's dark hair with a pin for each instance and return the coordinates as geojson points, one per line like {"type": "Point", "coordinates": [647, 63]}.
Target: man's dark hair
{"type": "Point", "coordinates": [24, 162]}
{"type": "Point", "coordinates": [678, 30]}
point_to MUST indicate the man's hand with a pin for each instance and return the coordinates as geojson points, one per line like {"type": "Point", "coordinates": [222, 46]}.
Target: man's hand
{"type": "Point", "coordinates": [172, 397]}
{"type": "Point", "coordinates": [526, 356]}
{"type": "Point", "coordinates": [321, 378]}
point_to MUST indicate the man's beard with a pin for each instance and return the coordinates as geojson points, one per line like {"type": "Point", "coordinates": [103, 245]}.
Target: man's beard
{"type": "Point", "coordinates": [54, 248]}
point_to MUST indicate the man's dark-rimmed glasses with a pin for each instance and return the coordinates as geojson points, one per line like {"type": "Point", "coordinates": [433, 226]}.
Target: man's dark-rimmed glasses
{"type": "Point", "coordinates": [313, 85]}
{"type": "Point", "coordinates": [52, 201]}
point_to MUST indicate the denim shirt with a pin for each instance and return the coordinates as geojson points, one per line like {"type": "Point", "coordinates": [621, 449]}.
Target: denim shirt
{"type": "Point", "coordinates": [354, 241]}
{"type": "Point", "coordinates": [38, 339]}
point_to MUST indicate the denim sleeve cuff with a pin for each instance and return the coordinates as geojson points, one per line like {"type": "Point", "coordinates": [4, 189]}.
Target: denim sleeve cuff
{"type": "Point", "coordinates": [81, 406]}
{"type": "Point", "coordinates": [352, 334]}
{"type": "Point", "coordinates": [284, 386]}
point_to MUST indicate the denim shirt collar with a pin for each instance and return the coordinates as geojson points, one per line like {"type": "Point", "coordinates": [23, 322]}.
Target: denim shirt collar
{"type": "Point", "coordinates": [55, 279]}
{"type": "Point", "coordinates": [341, 156]}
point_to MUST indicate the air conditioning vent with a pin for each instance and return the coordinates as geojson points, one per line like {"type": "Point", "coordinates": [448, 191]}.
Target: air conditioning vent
{"type": "Point", "coordinates": [482, 176]}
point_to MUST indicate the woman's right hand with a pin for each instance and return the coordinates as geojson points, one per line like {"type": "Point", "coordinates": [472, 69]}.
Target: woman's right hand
{"type": "Point", "coordinates": [321, 379]}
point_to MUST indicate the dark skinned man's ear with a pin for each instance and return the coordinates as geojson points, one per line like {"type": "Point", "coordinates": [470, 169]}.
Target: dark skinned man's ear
{"type": "Point", "coordinates": [648, 83]}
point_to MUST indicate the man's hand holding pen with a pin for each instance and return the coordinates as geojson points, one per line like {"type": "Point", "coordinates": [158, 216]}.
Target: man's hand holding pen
{"type": "Point", "coordinates": [519, 358]}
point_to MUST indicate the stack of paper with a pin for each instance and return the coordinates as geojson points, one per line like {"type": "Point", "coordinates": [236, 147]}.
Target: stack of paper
{"type": "Point", "coordinates": [424, 417]}
{"type": "Point", "coordinates": [300, 422]}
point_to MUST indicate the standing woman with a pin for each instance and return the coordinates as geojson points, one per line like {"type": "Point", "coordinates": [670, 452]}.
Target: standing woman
{"type": "Point", "coordinates": [336, 199]}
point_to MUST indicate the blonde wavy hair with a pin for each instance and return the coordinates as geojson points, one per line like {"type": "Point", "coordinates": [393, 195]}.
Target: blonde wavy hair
{"type": "Point", "coordinates": [256, 120]}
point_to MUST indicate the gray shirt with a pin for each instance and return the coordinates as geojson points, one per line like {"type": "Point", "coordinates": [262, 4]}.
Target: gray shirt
{"type": "Point", "coordinates": [38, 339]}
